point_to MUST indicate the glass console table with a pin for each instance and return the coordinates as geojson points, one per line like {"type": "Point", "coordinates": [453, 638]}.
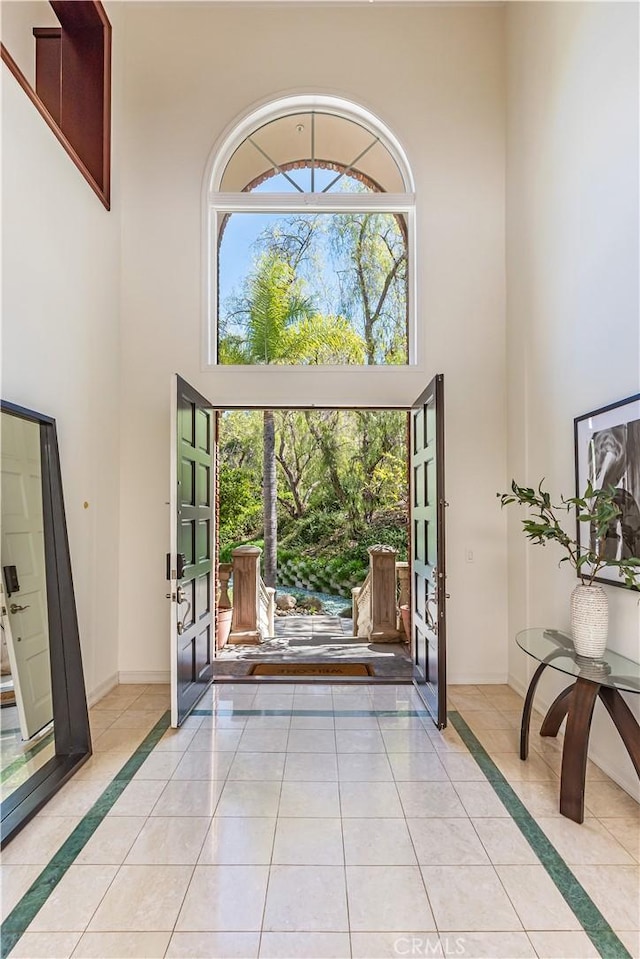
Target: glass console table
{"type": "Point", "coordinates": [603, 678]}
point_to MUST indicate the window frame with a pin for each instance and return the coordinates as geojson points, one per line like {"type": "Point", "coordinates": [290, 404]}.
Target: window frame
{"type": "Point", "coordinates": [219, 205]}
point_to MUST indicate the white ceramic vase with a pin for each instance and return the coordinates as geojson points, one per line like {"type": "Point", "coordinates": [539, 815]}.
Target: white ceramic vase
{"type": "Point", "coordinates": [589, 620]}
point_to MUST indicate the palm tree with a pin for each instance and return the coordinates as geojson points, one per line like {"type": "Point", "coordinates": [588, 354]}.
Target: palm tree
{"type": "Point", "coordinates": [280, 326]}
{"type": "Point", "coordinates": [272, 302]}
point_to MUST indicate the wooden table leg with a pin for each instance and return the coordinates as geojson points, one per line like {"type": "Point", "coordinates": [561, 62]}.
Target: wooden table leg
{"type": "Point", "coordinates": [574, 752]}
{"type": "Point", "coordinates": [624, 721]}
{"type": "Point", "coordinates": [556, 713]}
{"type": "Point", "coordinates": [526, 711]}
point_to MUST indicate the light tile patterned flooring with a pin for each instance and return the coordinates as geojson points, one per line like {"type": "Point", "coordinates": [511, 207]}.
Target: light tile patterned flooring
{"type": "Point", "coordinates": [309, 832]}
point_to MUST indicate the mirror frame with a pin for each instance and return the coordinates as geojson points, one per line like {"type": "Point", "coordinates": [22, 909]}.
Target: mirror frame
{"type": "Point", "coordinates": [72, 736]}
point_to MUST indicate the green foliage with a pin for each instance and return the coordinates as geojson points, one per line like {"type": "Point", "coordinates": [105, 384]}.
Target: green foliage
{"type": "Point", "coordinates": [272, 299]}
{"type": "Point", "coordinates": [240, 511]}
{"type": "Point", "coordinates": [318, 340]}
{"type": "Point", "coordinates": [226, 552]}
{"type": "Point", "coordinates": [316, 527]}
{"type": "Point", "coordinates": [329, 575]}
{"type": "Point", "coordinates": [351, 266]}
{"type": "Point", "coordinates": [342, 486]}
{"type": "Point", "coordinates": [374, 286]}
{"type": "Point", "coordinates": [596, 507]}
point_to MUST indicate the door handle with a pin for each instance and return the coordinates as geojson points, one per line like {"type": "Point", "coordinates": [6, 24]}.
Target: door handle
{"type": "Point", "coordinates": [14, 608]}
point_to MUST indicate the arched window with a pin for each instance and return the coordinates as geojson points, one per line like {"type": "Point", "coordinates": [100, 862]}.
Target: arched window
{"type": "Point", "coordinates": [310, 227]}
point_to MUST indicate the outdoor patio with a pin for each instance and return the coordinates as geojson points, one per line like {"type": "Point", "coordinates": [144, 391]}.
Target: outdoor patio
{"type": "Point", "coordinates": [317, 639]}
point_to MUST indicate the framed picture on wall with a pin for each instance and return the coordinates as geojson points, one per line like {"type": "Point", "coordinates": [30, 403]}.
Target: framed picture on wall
{"type": "Point", "coordinates": [607, 451]}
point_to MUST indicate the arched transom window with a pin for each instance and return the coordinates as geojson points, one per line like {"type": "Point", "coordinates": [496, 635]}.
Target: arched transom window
{"type": "Point", "coordinates": [310, 258]}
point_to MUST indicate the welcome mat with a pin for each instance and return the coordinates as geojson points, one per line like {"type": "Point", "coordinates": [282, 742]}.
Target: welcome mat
{"type": "Point", "coordinates": [311, 669]}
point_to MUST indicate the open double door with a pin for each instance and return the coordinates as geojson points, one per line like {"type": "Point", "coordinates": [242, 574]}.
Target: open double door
{"type": "Point", "coordinates": [191, 560]}
{"type": "Point", "coordinates": [427, 560]}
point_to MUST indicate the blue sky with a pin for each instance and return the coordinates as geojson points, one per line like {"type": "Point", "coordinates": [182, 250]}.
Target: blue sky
{"type": "Point", "coordinates": [236, 250]}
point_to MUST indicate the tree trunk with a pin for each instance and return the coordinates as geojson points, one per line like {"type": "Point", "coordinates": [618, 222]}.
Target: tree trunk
{"type": "Point", "coordinates": [270, 499]}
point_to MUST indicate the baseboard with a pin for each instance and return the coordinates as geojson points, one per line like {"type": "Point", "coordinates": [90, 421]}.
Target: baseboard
{"type": "Point", "coordinates": [521, 690]}
{"type": "Point", "coordinates": [541, 704]}
{"type": "Point", "coordinates": [145, 678]}
{"type": "Point", "coordinates": [477, 679]}
{"type": "Point", "coordinates": [101, 690]}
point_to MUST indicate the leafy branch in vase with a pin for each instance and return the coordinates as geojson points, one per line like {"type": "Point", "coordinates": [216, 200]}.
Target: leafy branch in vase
{"type": "Point", "coordinates": [597, 507]}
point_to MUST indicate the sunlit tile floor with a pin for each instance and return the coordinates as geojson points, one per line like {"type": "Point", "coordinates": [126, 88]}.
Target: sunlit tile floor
{"type": "Point", "coordinates": [318, 821]}
{"type": "Point", "coordinates": [317, 639]}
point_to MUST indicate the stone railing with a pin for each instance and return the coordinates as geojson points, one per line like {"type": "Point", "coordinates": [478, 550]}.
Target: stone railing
{"type": "Point", "coordinates": [267, 611]}
{"type": "Point", "coordinates": [224, 575]}
{"type": "Point", "coordinates": [403, 573]}
{"type": "Point", "coordinates": [375, 614]}
{"type": "Point", "coordinates": [375, 603]}
{"type": "Point", "coordinates": [361, 608]}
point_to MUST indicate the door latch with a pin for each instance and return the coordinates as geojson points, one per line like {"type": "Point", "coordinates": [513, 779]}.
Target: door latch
{"type": "Point", "coordinates": [177, 597]}
{"type": "Point", "coordinates": [11, 579]}
{"type": "Point", "coordinates": [181, 565]}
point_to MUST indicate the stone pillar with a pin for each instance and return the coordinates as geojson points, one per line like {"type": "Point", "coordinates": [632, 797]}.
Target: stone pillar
{"type": "Point", "coordinates": [246, 596]}
{"type": "Point", "coordinates": [224, 575]}
{"type": "Point", "coordinates": [403, 573]}
{"type": "Point", "coordinates": [382, 567]}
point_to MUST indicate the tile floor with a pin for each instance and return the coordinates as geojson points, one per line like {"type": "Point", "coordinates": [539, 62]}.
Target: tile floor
{"type": "Point", "coordinates": [319, 821]}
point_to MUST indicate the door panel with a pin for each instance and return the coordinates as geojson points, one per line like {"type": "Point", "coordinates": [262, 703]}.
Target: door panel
{"type": "Point", "coordinates": [192, 527]}
{"type": "Point", "coordinates": [428, 640]}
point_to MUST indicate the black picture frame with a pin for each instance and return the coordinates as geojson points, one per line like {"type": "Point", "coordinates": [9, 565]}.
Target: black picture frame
{"type": "Point", "coordinates": [72, 735]}
{"type": "Point", "coordinates": [607, 452]}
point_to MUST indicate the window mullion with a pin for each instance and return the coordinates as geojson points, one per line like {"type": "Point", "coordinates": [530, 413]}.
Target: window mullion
{"type": "Point", "coordinates": [312, 202]}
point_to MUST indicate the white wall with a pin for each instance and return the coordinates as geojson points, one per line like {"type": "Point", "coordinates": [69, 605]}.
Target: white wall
{"type": "Point", "coordinates": [17, 20]}
{"type": "Point", "coordinates": [435, 75]}
{"type": "Point", "coordinates": [572, 267]}
{"type": "Point", "coordinates": [60, 348]}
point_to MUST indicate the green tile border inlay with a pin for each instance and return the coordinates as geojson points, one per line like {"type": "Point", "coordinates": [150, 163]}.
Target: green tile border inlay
{"type": "Point", "coordinates": [41, 888]}
{"type": "Point", "coordinates": [585, 910]}
{"type": "Point", "coordinates": [26, 757]}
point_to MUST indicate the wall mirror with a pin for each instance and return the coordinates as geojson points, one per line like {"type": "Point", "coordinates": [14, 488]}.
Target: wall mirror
{"type": "Point", "coordinates": [44, 723]}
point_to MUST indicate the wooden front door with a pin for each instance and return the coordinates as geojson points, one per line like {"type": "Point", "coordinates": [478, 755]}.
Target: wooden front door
{"type": "Point", "coordinates": [190, 563]}
{"type": "Point", "coordinates": [428, 576]}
